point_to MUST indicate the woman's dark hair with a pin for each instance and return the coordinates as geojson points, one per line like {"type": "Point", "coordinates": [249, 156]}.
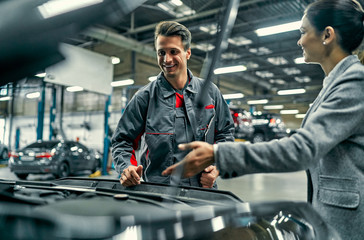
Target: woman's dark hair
{"type": "Point", "coordinates": [171, 28]}
{"type": "Point", "coordinates": [345, 16]}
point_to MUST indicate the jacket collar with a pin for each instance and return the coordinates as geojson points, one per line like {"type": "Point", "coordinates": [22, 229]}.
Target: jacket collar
{"type": "Point", "coordinates": [167, 88]}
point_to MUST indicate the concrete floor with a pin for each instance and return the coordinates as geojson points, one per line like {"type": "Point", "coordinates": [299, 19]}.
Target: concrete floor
{"type": "Point", "coordinates": [267, 187]}
{"type": "Point", "coordinates": [249, 188]}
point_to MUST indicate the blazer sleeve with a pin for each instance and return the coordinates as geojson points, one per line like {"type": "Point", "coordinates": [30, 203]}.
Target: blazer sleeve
{"type": "Point", "coordinates": [337, 118]}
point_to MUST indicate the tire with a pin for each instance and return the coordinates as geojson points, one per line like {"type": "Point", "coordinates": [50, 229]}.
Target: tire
{"type": "Point", "coordinates": [258, 137]}
{"type": "Point", "coordinates": [96, 166]}
{"type": "Point", "coordinates": [63, 170]}
{"type": "Point", "coordinates": [4, 155]}
{"type": "Point", "coordinates": [22, 176]}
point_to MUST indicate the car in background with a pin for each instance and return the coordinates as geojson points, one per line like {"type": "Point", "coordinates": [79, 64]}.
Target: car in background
{"type": "Point", "coordinates": [4, 151]}
{"type": "Point", "coordinates": [268, 126]}
{"type": "Point", "coordinates": [242, 123]}
{"type": "Point", "coordinates": [60, 158]}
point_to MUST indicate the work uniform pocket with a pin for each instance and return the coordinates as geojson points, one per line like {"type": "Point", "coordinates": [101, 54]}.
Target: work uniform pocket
{"type": "Point", "coordinates": [339, 192]}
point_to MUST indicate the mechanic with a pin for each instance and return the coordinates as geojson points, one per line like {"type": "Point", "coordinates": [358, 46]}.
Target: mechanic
{"type": "Point", "coordinates": [163, 114]}
{"type": "Point", "coordinates": [330, 142]}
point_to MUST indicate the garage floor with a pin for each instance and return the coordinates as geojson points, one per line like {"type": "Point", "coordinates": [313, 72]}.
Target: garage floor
{"type": "Point", "coordinates": [249, 188]}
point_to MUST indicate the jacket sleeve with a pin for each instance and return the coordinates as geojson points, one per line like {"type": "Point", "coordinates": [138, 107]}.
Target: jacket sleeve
{"type": "Point", "coordinates": [333, 123]}
{"type": "Point", "coordinates": [224, 125]}
{"type": "Point", "coordinates": [128, 132]}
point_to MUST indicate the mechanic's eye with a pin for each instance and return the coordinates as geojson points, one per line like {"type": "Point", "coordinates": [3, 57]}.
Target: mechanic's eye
{"type": "Point", "coordinates": [161, 53]}
{"type": "Point", "coordinates": [173, 52]}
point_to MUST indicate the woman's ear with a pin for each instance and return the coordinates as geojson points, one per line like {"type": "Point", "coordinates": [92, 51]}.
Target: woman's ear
{"type": "Point", "coordinates": [328, 35]}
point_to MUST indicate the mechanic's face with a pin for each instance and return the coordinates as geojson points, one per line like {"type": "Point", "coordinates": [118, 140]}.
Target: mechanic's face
{"type": "Point", "coordinates": [172, 58]}
{"type": "Point", "coordinates": [311, 43]}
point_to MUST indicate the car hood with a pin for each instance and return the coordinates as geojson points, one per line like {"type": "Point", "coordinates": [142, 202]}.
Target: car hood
{"type": "Point", "coordinates": [85, 208]}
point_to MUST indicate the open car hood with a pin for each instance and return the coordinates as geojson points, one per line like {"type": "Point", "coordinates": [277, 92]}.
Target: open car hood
{"type": "Point", "coordinates": [83, 208]}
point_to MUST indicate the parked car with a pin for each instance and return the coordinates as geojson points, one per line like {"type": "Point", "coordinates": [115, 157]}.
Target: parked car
{"type": "Point", "coordinates": [4, 151]}
{"type": "Point", "coordinates": [84, 208]}
{"type": "Point", "coordinates": [268, 126]}
{"type": "Point", "coordinates": [243, 124]}
{"type": "Point", "coordinates": [60, 158]}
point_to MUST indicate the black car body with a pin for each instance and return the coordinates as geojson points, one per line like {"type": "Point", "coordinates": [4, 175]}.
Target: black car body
{"type": "Point", "coordinates": [83, 208]}
{"type": "Point", "coordinates": [59, 158]}
{"type": "Point", "coordinates": [268, 126]}
{"type": "Point", "coordinates": [243, 124]}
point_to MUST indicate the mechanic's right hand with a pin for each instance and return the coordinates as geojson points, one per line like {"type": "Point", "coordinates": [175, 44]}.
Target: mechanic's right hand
{"type": "Point", "coordinates": [131, 176]}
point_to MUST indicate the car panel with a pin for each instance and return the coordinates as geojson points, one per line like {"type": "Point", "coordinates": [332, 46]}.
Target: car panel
{"type": "Point", "coordinates": [104, 209]}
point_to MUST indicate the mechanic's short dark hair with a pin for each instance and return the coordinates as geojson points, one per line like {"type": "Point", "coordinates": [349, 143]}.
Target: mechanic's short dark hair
{"type": "Point", "coordinates": [171, 28]}
{"type": "Point", "coordinates": [345, 16]}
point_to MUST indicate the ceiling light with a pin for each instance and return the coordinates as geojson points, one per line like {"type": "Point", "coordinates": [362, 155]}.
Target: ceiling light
{"type": "Point", "coordinates": [74, 89]}
{"type": "Point", "coordinates": [291, 91]}
{"type": "Point", "coordinates": [272, 107]}
{"type": "Point", "coordinates": [299, 60]}
{"type": "Point", "coordinates": [233, 96]}
{"type": "Point", "coordinates": [240, 41]}
{"type": "Point", "coordinates": [238, 68]}
{"type": "Point", "coordinates": [122, 83]}
{"type": "Point", "coordinates": [177, 2]}
{"type": "Point", "coordinates": [57, 7]}
{"type": "Point", "coordinates": [278, 28]}
{"type": "Point", "coordinates": [292, 111]}
{"type": "Point", "coordinates": [41, 75]}
{"type": "Point", "coordinates": [152, 78]}
{"type": "Point", "coordinates": [302, 79]}
{"type": "Point", "coordinates": [292, 71]}
{"type": "Point", "coordinates": [33, 95]}
{"type": "Point", "coordinates": [300, 115]}
{"type": "Point", "coordinates": [115, 60]}
{"type": "Point", "coordinates": [264, 74]}
{"type": "Point", "coordinates": [7, 98]}
{"type": "Point", "coordinates": [204, 46]}
{"type": "Point", "coordinates": [260, 101]}
{"type": "Point", "coordinates": [277, 60]}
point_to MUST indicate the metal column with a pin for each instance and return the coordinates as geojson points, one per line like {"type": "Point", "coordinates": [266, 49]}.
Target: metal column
{"type": "Point", "coordinates": [106, 135]}
{"type": "Point", "coordinates": [41, 104]}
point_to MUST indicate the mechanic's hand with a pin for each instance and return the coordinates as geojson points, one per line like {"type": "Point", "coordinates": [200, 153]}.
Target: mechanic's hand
{"type": "Point", "coordinates": [131, 176]}
{"type": "Point", "coordinates": [197, 160]}
{"type": "Point", "coordinates": [208, 177]}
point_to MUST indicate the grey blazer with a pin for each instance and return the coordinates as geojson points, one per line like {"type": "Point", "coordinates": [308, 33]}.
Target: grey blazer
{"type": "Point", "coordinates": [329, 145]}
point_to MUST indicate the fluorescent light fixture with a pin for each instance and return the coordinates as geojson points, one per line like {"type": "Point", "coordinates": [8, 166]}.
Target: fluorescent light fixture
{"type": "Point", "coordinates": [57, 7]}
{"type": "Point", "coordinates": [41, 75]}
{"type": "Point", "coordinates": [273, 107]}
{"type": "Point", "coordinates": [33, 95]}
{"type": "Point", "coordinates": [74, 89]}
{"type": "Point", "coordinates": [300, 115]}
{"type": "Point", "coordinates": [291, 91]}
{"type": "Point", "coordinates": [238, 68]}
{"type": "Point", "coordinates": [152, 78]}
{"type": "Point", "coordinates": [233, 96]}
{"type": "Point", "coordinates": [278, 28]}
{"type": "Point", "coordinates": [260, 101]}
{"type": "Point", "coordinates": [299, 60]}
{"type": "Point", "coordinates": [7, 98]}
{"type": "Point", "coordinates": [120, 83]}
{"type": "Point", "coordinates": [177, 2]}
{"type": "Point", "coordinates": [292, 111]}
{"type": "Point", "coordinates": [115, 60]}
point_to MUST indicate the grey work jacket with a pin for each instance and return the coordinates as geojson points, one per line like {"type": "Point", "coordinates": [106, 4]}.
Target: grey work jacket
{"type": "Point", "coordinates": [329, 144]}
{"type": "Point", "coordinates": [150, 116]}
